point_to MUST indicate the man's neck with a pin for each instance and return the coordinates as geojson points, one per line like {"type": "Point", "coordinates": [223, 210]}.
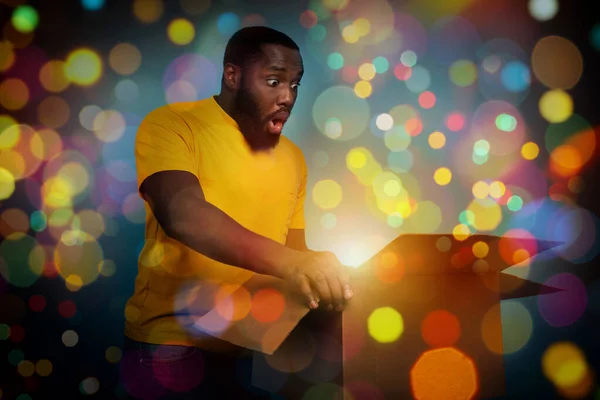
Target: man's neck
{"type": "Point", "coordinates": [226, 102]}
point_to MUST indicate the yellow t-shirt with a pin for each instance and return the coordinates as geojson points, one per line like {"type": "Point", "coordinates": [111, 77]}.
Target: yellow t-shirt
{"type": "Point", "coordinates": [263, 191]}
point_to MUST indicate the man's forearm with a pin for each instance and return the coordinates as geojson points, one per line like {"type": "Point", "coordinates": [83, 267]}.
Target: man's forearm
{"type": "Point", "coordinates": [209, 231]}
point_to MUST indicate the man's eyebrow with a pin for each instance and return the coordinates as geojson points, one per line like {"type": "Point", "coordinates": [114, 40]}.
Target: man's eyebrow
{"type": "Point", "coordinates": [280, 68]}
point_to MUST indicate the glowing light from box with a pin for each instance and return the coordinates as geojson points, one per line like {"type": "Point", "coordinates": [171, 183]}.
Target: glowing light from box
{"type": "Point", "coordinates": [385, 325]}
{"type": "Point", "coordinates": [444, 373]}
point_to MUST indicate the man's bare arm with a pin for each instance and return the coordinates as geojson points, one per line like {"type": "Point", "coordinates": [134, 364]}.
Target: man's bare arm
{"type": "Point", "coordinates": [296, 239]}
{"type": "Point", "coordinates": [178, 203]}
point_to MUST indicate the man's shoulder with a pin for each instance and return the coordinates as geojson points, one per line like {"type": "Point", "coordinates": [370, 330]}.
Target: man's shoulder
{"type": "Point", "coordinates": [181, 110]}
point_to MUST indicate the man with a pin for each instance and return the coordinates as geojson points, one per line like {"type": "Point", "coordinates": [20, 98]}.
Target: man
{"type": "Point", "coordinates": [224, 194]}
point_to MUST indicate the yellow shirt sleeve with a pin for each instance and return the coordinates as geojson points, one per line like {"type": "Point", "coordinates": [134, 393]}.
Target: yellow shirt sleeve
{"type": "Point", "coordinates": [164, 142]}
{"type": "Point", "coordinates": [298, 221]}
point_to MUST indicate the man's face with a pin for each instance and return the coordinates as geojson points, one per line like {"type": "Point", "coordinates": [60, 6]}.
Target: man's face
{"type": "Point", "coordinates": [267, 94]}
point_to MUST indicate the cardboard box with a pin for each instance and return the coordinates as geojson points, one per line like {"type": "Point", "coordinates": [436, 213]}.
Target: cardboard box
{"type": "Point", "coordinates": [431, 301]}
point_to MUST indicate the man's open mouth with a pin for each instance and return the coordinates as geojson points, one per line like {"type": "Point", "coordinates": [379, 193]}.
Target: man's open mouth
{"type": "Point", "coordinates": [276, 123]}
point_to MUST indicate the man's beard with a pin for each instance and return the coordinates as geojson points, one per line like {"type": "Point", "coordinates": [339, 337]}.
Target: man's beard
{"type": "Point", "coordinates": [247, 114]}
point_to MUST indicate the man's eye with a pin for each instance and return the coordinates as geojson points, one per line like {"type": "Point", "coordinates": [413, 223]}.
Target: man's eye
{"type": "Point", "coordinates": [295, 86]}
{"type": "Point", "coordinates": [272, 82]}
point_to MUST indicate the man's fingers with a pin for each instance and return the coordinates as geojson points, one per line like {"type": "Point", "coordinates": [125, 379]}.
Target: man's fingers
{"type": "Point", "coordinates": [336, 289]}
{"type": "Point", "coordinates": [339, 280]}
{"type": "Point", "coordinates": [319, 282]}
{"type": "Point", "coordinates": [306, 290]}
{"type": "Point", "coordinates": [344, 277]}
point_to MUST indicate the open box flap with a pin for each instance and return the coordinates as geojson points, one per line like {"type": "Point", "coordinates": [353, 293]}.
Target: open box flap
{"type": "Point", "coordinates": [432, 254]}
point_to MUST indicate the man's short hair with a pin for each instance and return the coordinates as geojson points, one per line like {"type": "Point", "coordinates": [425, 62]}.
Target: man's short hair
{"type": "Point", "coordinates": [246, 44]}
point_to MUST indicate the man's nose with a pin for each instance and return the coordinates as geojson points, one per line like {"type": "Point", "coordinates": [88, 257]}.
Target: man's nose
{"type": "Point", "coordinates": [286, 97]}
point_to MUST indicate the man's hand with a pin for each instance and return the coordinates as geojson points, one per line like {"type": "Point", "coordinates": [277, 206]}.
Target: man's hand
{"type": "Point", "coordinates": [318, 275]}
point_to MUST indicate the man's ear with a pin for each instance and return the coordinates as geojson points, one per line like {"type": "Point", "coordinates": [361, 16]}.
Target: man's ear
{"type": "Point", "coordinates": [232, 76]}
